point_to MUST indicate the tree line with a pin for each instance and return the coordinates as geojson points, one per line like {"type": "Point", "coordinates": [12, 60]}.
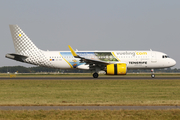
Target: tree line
{"type": "Point", "coordinates": [22, 69]}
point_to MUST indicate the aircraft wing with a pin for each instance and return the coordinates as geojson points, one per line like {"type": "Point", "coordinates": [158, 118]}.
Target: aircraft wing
{"type": "Point", "coordinates": [92, 61]}
{"type": "Point", "coordinates": [86, 60]}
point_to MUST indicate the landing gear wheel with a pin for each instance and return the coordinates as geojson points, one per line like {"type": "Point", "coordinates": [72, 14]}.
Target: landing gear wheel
{"type": "Point", "coordinates": [152, 73]}
{"type": "Point", "coordinates": [95, 75]}
{"type": "Point", "coordinates": [153, 76]}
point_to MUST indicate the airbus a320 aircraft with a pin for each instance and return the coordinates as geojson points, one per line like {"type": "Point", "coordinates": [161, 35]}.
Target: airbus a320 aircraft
{"type": "Point", "coordinates": [112, 62]}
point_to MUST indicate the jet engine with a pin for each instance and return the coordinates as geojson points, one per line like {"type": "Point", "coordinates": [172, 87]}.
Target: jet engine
{"type": "Point", "coordinates": [117, 69]}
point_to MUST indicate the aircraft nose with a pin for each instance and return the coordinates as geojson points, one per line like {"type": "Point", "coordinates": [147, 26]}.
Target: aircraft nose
{"type": "Point", "coordinates": [173, 62]}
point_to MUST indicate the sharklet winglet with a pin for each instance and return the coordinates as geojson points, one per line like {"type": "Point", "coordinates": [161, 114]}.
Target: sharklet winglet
{"type": "Point", "coordinates": [72, 51]}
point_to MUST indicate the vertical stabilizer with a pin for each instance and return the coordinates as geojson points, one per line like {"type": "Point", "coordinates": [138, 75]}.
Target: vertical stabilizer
{"type": "Point", "coordinates": [26, 51]}
{"type": "Point", "coordinates": [22, 44]}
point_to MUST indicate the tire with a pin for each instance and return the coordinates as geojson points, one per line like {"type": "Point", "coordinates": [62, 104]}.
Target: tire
{"type": "Point", "coordinates": [95, 75]}
{"type": "Point", "coordinates": [153, 76]}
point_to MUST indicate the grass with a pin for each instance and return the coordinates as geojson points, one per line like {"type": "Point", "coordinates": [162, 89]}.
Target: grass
{"type": "Point", "coordinates": [92, 115]}
{"type": "Point", "coordinates": [89, 92]}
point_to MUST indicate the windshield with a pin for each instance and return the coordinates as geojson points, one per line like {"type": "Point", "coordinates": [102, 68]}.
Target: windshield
{"type": "Point", "coordinates": [165, 56]}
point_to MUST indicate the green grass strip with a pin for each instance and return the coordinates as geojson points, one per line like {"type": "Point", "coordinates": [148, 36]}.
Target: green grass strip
{"type": "Point", "coordinates": [90, 92]}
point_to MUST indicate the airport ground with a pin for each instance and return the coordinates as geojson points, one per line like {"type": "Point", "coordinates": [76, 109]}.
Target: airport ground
{"type": "Point", "coordinates": [90, 92]}
{"type": "Point", "coordinates": [85, 75]}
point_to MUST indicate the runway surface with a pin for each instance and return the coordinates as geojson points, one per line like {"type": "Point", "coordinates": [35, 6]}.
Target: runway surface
{"type": "Point", "coordinates": [88, 107]}
{"type": "Point", "coordinates": [87, 78]}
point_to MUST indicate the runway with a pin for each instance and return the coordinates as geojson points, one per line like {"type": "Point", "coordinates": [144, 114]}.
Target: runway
{"type": "Point", "coordinates": [87, 78]}
{"type": "Point", "coordinates": [88, 107]}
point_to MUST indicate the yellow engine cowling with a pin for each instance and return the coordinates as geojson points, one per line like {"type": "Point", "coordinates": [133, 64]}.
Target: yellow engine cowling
{"type": "Point", "coordinates": [117, 69]}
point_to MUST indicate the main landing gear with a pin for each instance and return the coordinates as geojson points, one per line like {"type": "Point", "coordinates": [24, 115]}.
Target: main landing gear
{"type": "Point", "coordinates": [152, 73]}
{"type": "Point", "coordinates": [95, 75]}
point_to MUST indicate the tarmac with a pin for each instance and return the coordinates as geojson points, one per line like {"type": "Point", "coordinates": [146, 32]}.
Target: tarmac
{"type": "Point", "coordinates": [88, 78]}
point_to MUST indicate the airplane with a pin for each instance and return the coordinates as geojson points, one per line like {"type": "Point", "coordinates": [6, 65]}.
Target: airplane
{"type": "Point", "coordinates": [112, 62]}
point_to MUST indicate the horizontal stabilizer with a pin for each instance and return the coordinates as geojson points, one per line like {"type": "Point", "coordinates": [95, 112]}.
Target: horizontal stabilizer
{"type": "Point", "coordinates": [17, 57]}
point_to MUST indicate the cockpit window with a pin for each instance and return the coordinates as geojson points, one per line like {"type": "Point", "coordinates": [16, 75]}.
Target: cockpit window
{"type": "Point", "coordinates": [165, 56]}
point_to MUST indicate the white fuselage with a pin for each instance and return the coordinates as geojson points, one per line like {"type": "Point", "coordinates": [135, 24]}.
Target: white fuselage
{"type": "Point", "coordinates": [133, 59]}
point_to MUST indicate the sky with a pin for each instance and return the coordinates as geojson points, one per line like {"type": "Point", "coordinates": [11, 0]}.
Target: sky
{"type": "Point", "coordinates": [92, 25]}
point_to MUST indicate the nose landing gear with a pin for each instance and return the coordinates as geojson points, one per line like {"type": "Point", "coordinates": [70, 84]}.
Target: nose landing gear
{"type": "Point", "coordinates": [152, 73]}
{"type": "Point", "coordinates": [153, 76]}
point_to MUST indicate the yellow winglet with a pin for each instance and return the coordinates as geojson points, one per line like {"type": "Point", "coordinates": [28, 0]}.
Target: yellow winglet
{"type": "Point", "coordinates": [72, 51]}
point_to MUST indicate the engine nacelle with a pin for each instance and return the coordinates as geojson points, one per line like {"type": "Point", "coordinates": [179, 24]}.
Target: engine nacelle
{"type": "Point", "coordinates": [117, 69]}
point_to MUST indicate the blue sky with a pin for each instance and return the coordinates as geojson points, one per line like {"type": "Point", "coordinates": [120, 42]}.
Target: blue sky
{"type": "Point", "coordinates": [93, 25]}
